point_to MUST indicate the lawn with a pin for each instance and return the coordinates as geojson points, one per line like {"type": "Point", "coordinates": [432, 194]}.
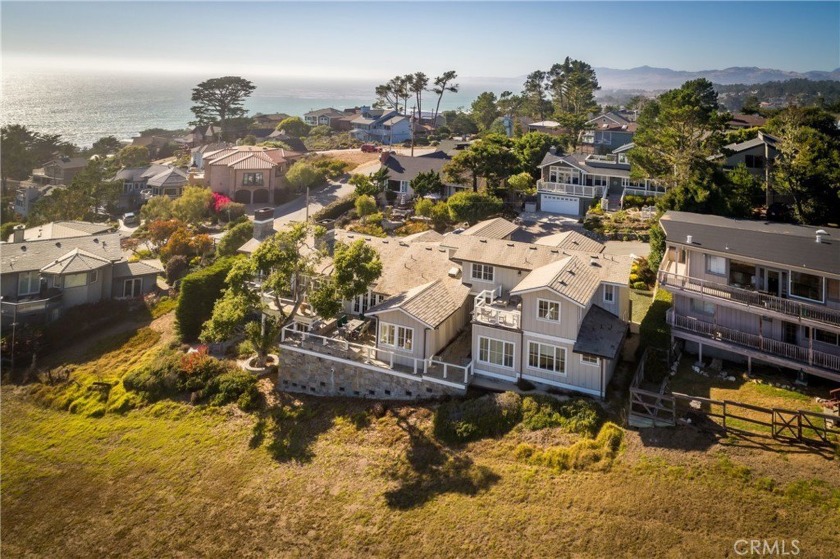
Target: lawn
{"type": "Point", "coordinates": [309, 477]}
{"type": "Point", "coordinates": [641, 303]}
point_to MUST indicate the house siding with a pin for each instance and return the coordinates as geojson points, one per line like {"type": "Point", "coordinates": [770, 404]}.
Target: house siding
{"type": "Point", "coordinates": [508, 278]}
{"type": "Point", "coordinates": [419, 341]}
{"type": "Point", "coordinates": [577, 375]}
{"type": "Point", "coordinates": [446, 331]}
{"type": "Point", "coordinates": [571, 316]}
{"type": "Point", "coordinates": [497, 371]}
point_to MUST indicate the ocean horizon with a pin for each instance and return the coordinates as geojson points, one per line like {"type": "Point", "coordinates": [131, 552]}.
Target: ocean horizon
{"type": "Point", "coordinates": [85, 107]}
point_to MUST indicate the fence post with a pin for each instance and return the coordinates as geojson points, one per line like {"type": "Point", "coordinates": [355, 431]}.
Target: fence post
{"type": "Point", "coordinates": [799, 426]}
{"type": "Point", "coordinates": [392, 359]}
{"type": "Point", "coordinates": [724, 416]}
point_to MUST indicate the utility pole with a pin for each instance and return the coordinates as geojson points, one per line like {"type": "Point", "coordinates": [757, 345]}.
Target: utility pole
{"type": "Point", "coordinates": [413, 107]}
{"type": "Point", "coordinates": [307, 204]}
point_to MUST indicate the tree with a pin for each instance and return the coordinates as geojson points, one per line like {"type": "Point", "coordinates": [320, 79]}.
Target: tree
{"type": "Point", "coordinates": [530, 149]}
{"type": "Point", "coordinates": [22, 149]}
{"type": "Point", "coordinates": [492, 158]}
{"type": "Point", "coordinates": [533, 94]}
{"type": "Point", "coordinates": [573, 85]}
{"type": "Point", "coordinates": [355, 267]}
{"type": "Point", "coordinates": [657, 244]}
{"type": "Point", "coordinates": [443, 83]}
{"type": "Point", "coordinates": [365, 205]}
{"type": "Point", "coordinates": [807, 166]}
{"type": "Point", "coordinates": [262, 336]}
{"type": "Point", "coordinates": [303, 175]}
{"type": "Point", "coordinates": [743, 191]}
{"type": "Point", "coordinates": [472, 206]}
{"type": "Point", "coordinates": [465, 166]}
{"type": "Point", "coordinates": [193, 205]}
{"type": "Point", "coordinates": [427, 183]}
{"type": "Point", "coordinates": [483, 110]}
{"type": "Point", "coordinates": [294, 126]}
{"type": "Point", "coordinates": [220, 99]}
{"type": "Point", "coordinates": [423, 207]}
{"type": "Point", "coordinates": [417, 85]}
{"type": "Point", "coordinates": [176, 268]}
{"type": "Point", "coordinates": [522, 183]}
{"type": "Point", "coordinates": [320, 131]}
{"type": "Point", "coordinates": [678, 132]}
{"type": "Point", "coordinates": [157, 208]}
{"type": "Point", "coordinates": [236, 236]}
{"type": "Point", "coordinates": [249, 140]}
{"type": "Point", "coordinates": [133, 156]}
{"type": "Point", "coordinates": [460, 123]}
{"type": "Point", "coordinates": [364, 185]}
{"type": "Point", "coordinates": [161, 230]}
{"type": "Point", "coordinates": [91, 191]}
{"type": "Point", "coordinates": [105, 146]}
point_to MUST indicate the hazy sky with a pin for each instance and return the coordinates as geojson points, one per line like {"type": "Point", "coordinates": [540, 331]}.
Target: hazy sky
{"type": "Point", "coordinates": [372, 40]}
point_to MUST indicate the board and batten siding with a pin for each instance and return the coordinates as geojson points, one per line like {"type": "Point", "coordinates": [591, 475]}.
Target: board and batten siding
{"type": "Point", "coordinates": [508, 278]}
{"type": "Point", "coordinates": [570, 315]}
{"type": "Point", "coordinates": [620, 307]}
{"type": "Point", "coordinates": [447, 330]}
{"type": "Point", "coordinates": [578, 375]}
{"type": "Point", "coordinates": [419, 340]}
{"type": "Point", "coordinates": [496, 371]}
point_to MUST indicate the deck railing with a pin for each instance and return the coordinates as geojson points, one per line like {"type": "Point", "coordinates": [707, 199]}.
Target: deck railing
{"type": "Point", "coordinates": [584, 190]}
{"type": "Point", "coordinates": [11, 309]}
{"type": "Point", "coordinates": [749, 298]}
{"type": "Point", "coordinates": [777, 348]}
{"type": "Point", "coordinates": [485, 312]}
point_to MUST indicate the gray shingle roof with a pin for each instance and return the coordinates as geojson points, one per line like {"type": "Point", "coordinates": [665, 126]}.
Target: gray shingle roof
{"type": "Point", "coordinates": [571, 240]}
{"type": "Point", "coordinates": [64, 229]}
{"type": "Point", "coordinates": [170, 177]}
{"type": "Point", "coordinates": [77, 260]}
{"type": "Point", "coordinates": [570, 277]}
{"type": "Point", "coordinates": [578, 161]}
{"type": "Point", "coordinates": [779, 243]}
{"type": "Point", "coordinates": [141, 268]}
{"type": "Point", "coordinates": [34, 255]}
{"type": "Point", "coordinates": [496, 228]}
{"type": "Point", "coordinates": [431, 303]}
{"type": "Point", "coordinates": [500, 252]}
{"type": "Point", "coordinates": [600, 334]}
{"type": "Point", "coordinates": [405, 168]}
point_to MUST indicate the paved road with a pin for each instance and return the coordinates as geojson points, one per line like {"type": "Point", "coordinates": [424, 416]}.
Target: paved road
{"type": "Point", "coordinates": [295, 210]}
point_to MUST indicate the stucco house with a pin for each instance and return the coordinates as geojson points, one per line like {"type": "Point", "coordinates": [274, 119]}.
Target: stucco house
{"type": "Point", "coordinates": [47, 269]}
{"type": "Point", "coordinates": [248, 174]}
{"type": "Point", "coordinates": [141, 183]}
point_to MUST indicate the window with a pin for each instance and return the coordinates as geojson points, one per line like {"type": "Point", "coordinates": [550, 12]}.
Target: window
{"type": "Point", "coordinates": [548, 310]}
{"type": "Point", "coordinates": [547, 358]}
{"type": "Point", "coordinates": [404, 186]}
{"type": "Point", "coordinates": [28, 283]}
{"type": "Point", "coordinates": [598, 180]}
{"type": "Point", "coordinates": [716, 265]}
{"type": "Point", "coordinates": [609, 293]}
{"type": "Point", "coordinates": [252, 179]}
{"type": "Point", "coordinates": [807, 286]}
{"type": "Point", "coordinates": [603, 137]}
{"type": "Point", "coordinates": [826, 337]}
{"type": "Point", "coordinates": [94, 276]}
{"type": "Point", "coordinates": [495, 352]}
{"type": "Point", "coordinates": [754, 161]}
{"type": "Point", "coordinates": [75, 280]}
{"type": "Point", "coordinates": [702, 307]}
{"type": "Point", "coordinates": [392, 335]}
{"type": "Point", "coordinates": [590, 360]}
{"type": "Point", "coordinates": [483, 272]}
{"type": "Point", "coordinates": [132, 287]}
{"type": "Point", "coordinates": [563, 175]}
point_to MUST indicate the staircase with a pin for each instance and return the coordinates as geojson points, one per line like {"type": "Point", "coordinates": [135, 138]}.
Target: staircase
{"type": "Point", "coordinates": [614, 198]}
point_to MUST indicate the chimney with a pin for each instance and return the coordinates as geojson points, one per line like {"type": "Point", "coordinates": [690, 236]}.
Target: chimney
{"type": "Point", "coordinates": [263, 223]}
{"type": "Point", "coordinates": [688, 239]}
{"type": "Point", "coordinates": [17, 236]}
{"type": "Point", "coordinates": [552, 150]}
{"type": "Point", "coordinates": [820, 233]}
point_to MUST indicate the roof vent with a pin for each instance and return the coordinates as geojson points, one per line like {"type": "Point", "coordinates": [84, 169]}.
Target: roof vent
{"type": "Point", "coordinates": [555, 251]}
{"type": "Point", "coordinates": [688, 239]}
{"type": "Point", "coordinates": [510, 244]}
{"type": "Point", "coordinates": [530, 248]}
{"type": "Point", "coordinates": [820, 233]}
{"type": "Point", "coordinates": [454, 272]}
{"type": "Point", "coordinates": [482, 240]}
{"type": "Point", "coordinates": [593, 261]}
{"type": "Point", "coordinates": [429, 248]}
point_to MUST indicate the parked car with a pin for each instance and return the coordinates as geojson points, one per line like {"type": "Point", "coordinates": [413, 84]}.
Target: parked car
{"type": "Point", "coordinates": [370, 148]}
{"type": "Point", "coordinates": [130, 218]}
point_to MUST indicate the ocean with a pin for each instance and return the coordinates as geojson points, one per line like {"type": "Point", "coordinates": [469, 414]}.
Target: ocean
{"type": "Point", "coordinates": [85, 107]}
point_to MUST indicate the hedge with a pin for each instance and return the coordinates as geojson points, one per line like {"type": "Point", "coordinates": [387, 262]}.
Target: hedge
{"type": "Point", "coordinates": [199, 291]}
{"type": "Point", "coordinates": [337, 208]}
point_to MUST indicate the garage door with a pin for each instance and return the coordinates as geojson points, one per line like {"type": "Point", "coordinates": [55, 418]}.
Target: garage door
{"type": "Point", "coordinates": [568, 205]}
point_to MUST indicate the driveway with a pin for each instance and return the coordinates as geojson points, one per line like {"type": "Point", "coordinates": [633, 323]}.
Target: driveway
{"type": "Point", "coordinates": [295, 210]}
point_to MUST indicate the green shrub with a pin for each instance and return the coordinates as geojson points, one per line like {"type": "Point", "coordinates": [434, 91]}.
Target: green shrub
{"type": "Point", "coordinates": [336, 208]}
{"type": "Point", "coordinates": [237, 236]}
{"type": "Point", "coordinates": [423, 207]}
{"type": "Point", "coordinates": [579, 415]}
{"type": "Point", "coordinates": [440, 215]}
{"type": "Point", "coordinates": [639, 285]}
{"type": "Point", "coordinates": [469, 420]}
{"type": "Point", "coordinates": [199, 291]}
{"type": "Point", "coordinates": [176, 268]}
{"type": "Point", "coordinates": [196, 369]}
{"type": "Point", "coordinates": [7, 229]}
{"type": "Point", "coordinates": [473, 206]}
{"type": "Point", "coordinates": [157, 379]}
{"type": "Point", "coordinates": [245, 349]}
{"type": "Point", "coordinates": [238, 386]}
{"type": "Point", "coordinates": [585, 454]}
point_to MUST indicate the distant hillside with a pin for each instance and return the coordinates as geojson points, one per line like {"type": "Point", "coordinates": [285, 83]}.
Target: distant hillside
{"type": "Point", "coordinates": [649, 78]}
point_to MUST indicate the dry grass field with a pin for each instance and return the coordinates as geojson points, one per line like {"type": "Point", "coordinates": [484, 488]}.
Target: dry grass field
{"type": "Point", "coordinates": [308, 477]}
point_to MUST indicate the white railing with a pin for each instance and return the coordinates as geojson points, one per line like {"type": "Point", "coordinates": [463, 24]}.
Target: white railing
{"type": "Point", "coordinates": [760, 301]}
{"type": "Point", "coordinates": [433, 369]}
{"type": "Point", "coordinates": [584, 190]}
{"type": "Point", "coordinates": [485, 312]}
{"type": "Point", "coordinates": [777, 348]}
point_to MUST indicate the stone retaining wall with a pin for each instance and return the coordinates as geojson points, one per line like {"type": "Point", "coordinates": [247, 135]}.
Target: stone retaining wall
{"type": "Point", "coordinates": [320, 375]}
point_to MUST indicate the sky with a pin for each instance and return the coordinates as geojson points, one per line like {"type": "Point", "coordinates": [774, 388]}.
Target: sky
{"type": "Point", "coordinates": [381, 39]}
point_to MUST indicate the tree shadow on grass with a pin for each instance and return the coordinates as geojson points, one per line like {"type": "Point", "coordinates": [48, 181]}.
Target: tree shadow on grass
{"type": "Point", "coordinates": [428, 469]}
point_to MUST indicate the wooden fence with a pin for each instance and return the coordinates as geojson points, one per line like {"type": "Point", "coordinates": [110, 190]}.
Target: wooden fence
{"type": "Point", "coordinates": [660, 408]}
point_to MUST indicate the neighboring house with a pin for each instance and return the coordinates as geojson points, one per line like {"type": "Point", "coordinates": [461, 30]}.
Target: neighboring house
{"type": "Point", "coordinates": [248, 174]}
{"type": "Point", "coordinates": [270, 120]}
{"type": "Point", "coordinates": [42, 277]}
{"type": "Point", "coordinates": [569, 184]}
{"type": "Point", "coordinates": [59, 171]}
{"type": "Point", "coordinates": [547, 127]}
{"type": "Point", "coordinates": [402, 169]}
{"type": "Point", "coordinates": [556, 316]}
{"type": "Point", "coordinates": [740, 120]}
{"type": "Point", "coordinates": [141, 183]}
{"type": "Point", "coordinates": [63, 230]}
{"type": "Point", "coordinates": [29, 192]}
{"type": "Point", "coordinates": [608, 131]}
{"type": "Point", "coordinates": [335, 119]}
{"type": "Point", "coordinates": [197, 153]}
{"type": "Point", "coordinates": [377, 125]}
{"type": "Point", "coordinates": [428, 118]}
{"type": "Point", "coordinates": [754, 291]}
{"type": "Point", "coordinates": [496, 228]}
{"type": "Point", "coordinates": [756, 154]}
{"type": "Point", "coordinates": [295, 144]}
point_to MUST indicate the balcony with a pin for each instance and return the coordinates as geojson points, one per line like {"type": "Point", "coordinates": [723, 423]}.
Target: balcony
{"type": "Point", "coordinates": [754, 300]}
{"type": "Point", "coordinates": [492, 309]}
{"type": "Point", "coordinates": [583, 190]}
{"type": "Point", "coordinates": [30, 307]}
{"type": "Point", "coordinates": [775, 351]}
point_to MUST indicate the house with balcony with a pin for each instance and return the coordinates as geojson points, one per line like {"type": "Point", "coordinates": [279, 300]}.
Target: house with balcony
{"type": "Point", "coordinates": [381, 126]}
{"type": "Point", "coordinates": [570, 184]}
{"type": "Point", "coordinates": [141, 183]}
{"type": "Point", "coordinates": [608, 131]}
{"type": "Point", "coordinates": [456, 309]}
{"type": "Point", "coordinates": [65, 264]}
{"type": "Point", "coordinates": [59, 171]}
{"type": "Point", "coordinates": [753, 291]}
{"type": "Point", "coordinates": [248, 174]}
{"type": "Point", "coordinates": [333, 118]}
{"type": "Point", "coordinates": [28, 193]}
